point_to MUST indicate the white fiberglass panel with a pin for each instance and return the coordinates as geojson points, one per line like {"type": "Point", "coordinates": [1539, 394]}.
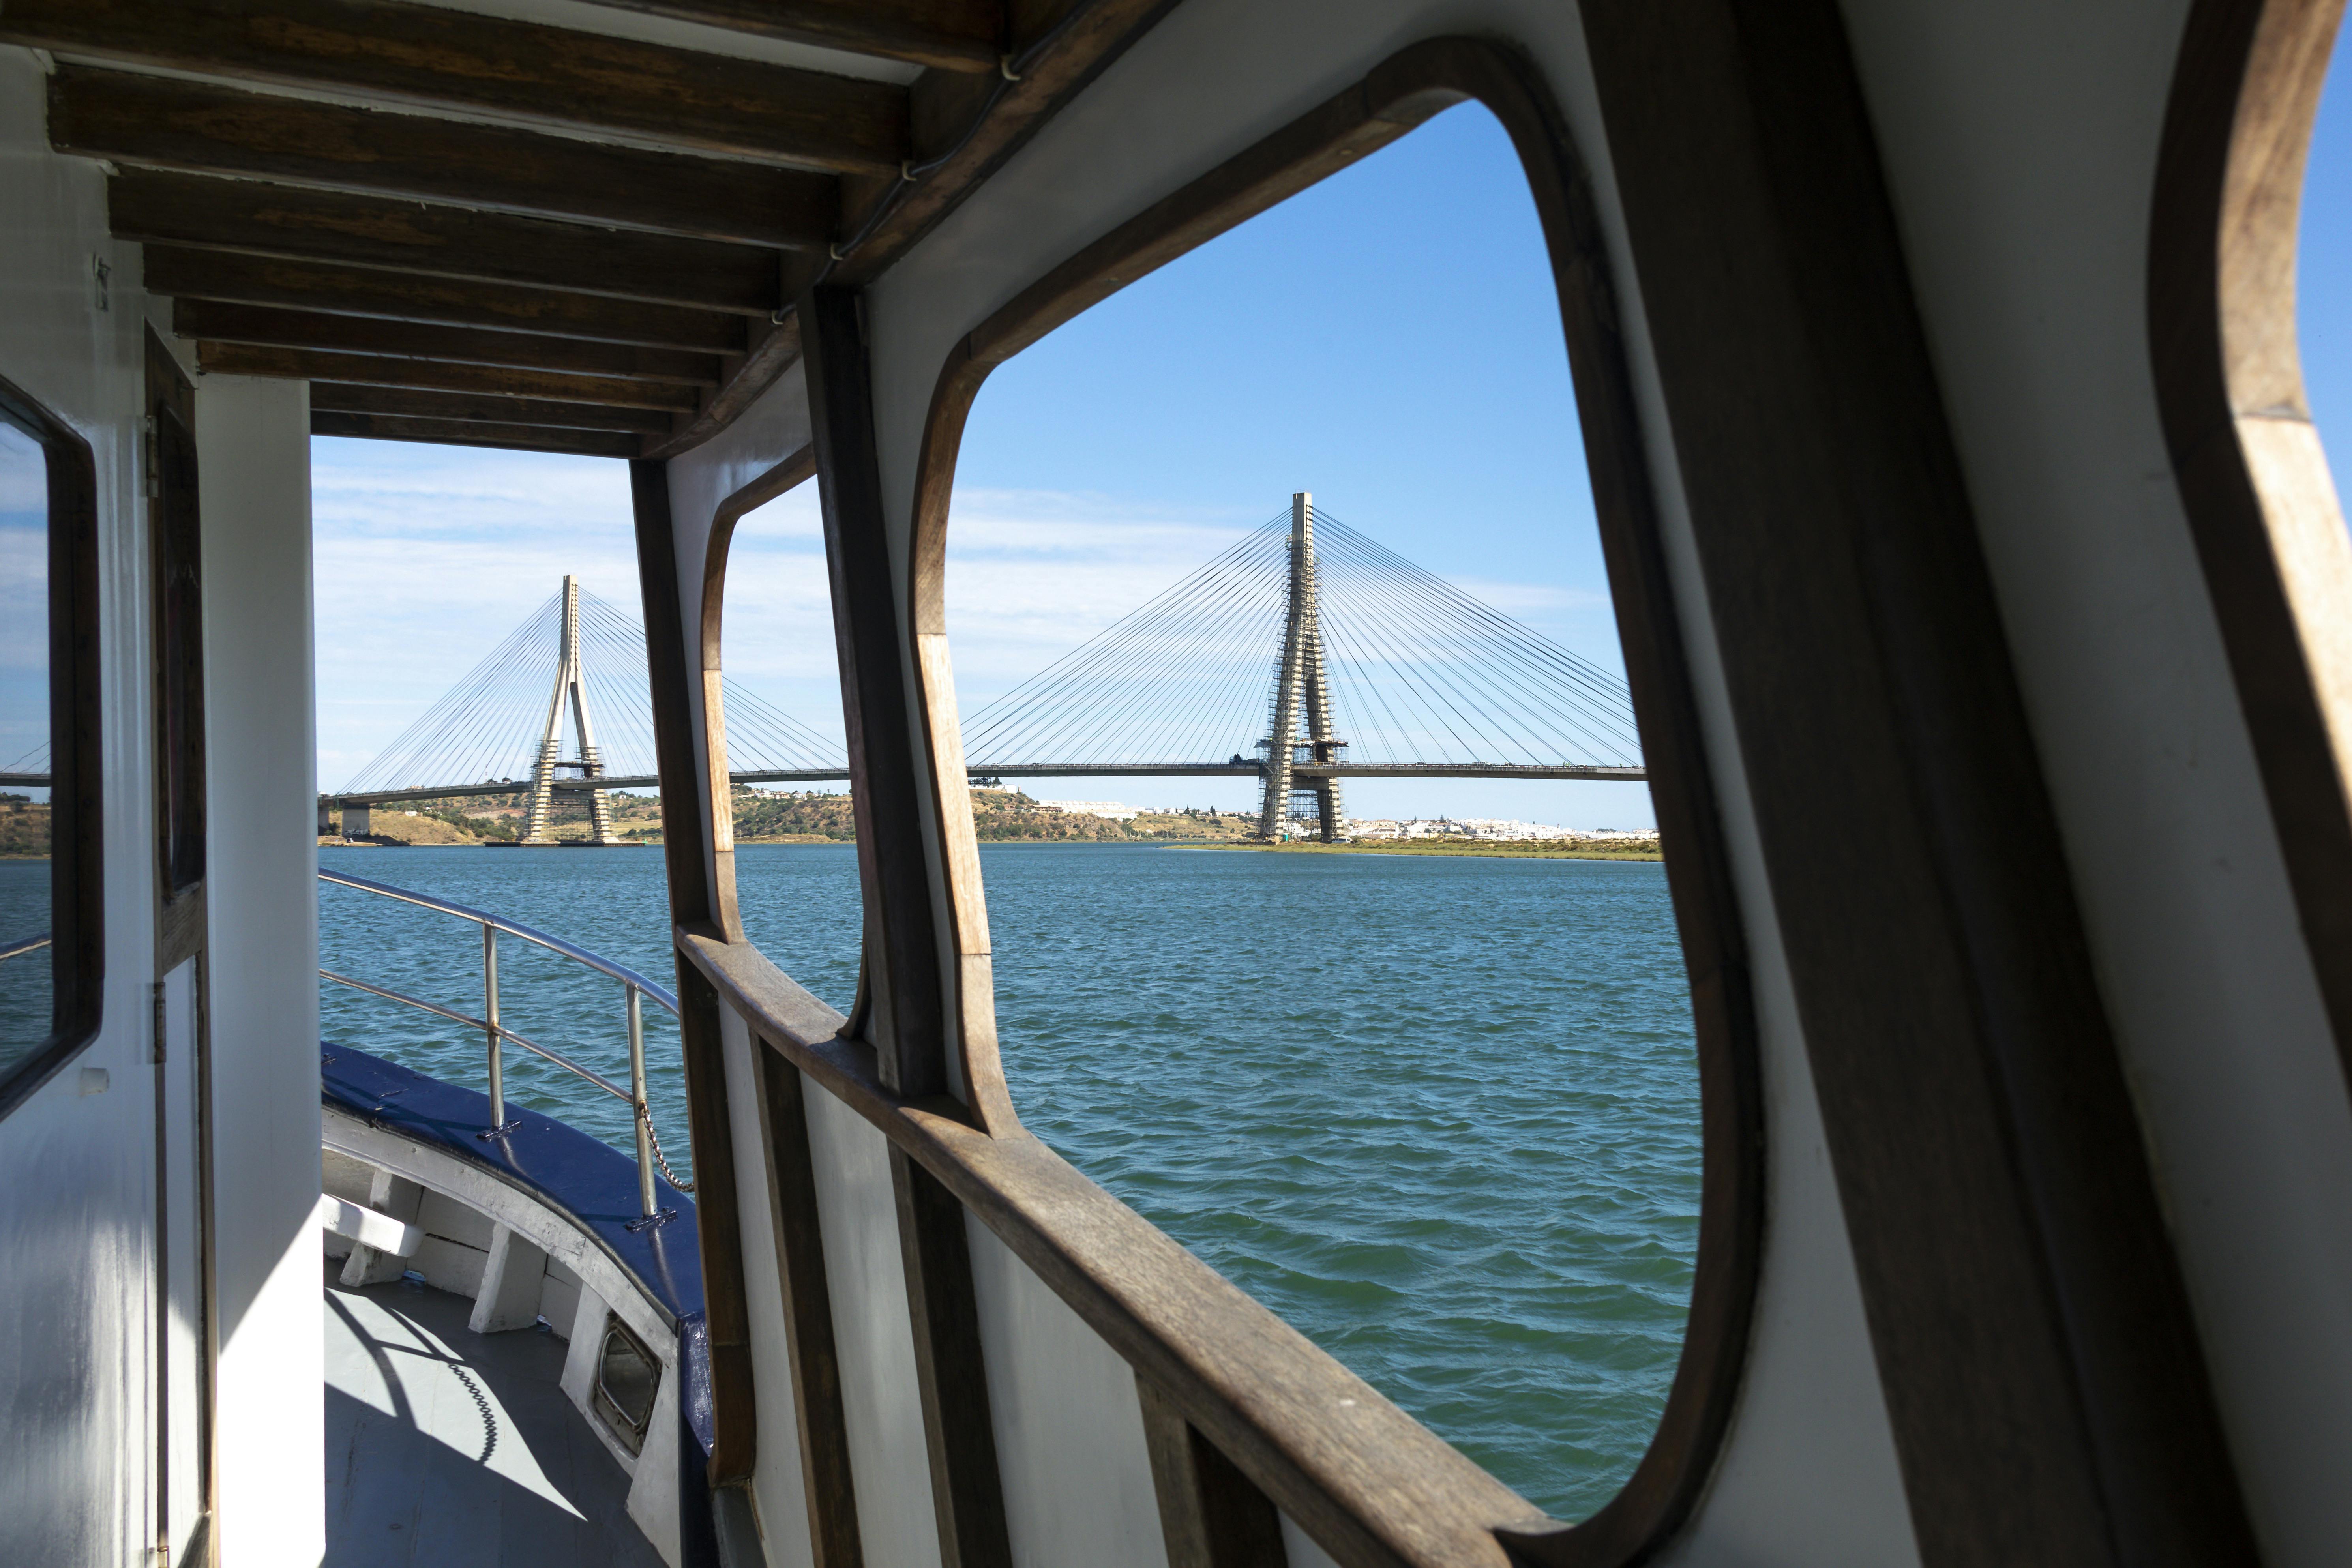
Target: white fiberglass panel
{"type": "Point", "coordinates": [1070, 1448]}
{"type": "Point", "coordinates": [873, 1336]}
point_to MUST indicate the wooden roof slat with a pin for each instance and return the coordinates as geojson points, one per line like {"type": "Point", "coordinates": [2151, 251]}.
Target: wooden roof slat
{"type": "Point", "coordinates": [384, 370]}
{"type": "Point", "coordinates": [772, 352]}
{"type": "Point", "coordinates": [271, 327]}
{"type": "Point", "coordinates": [199, 128]}
{"type": "Point", "coordinates": [342, 397]}
{"type": "Point", "coordinates": [449, 242]}
{"type": "Point", "coordinates": [446, 302]}
{"type": "Point", "coordinates": [431, 56]}
{"type": "Point", "coordinates": [944, 108]}
{"type": "Point", "coordinates": [950, 35]}
{"type": "Point", "coordinates": [467, 433]}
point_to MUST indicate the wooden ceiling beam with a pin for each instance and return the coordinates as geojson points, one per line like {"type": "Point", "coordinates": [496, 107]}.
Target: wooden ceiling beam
{"type": "Point", "coordinates": [412, 403]}
{"type": "Point", "coordinates": [774, 353]}
{"type": "Point", "coordinates": [433, 57]}
{"type": "Point", "coordinates": [199, 128]}
{"type": "Point", "coordinates": [151, 205]}
{"type": "Point", "coordinates": [983, 128]}
{"type": "Point", "coordinates": [469, 433]}
{"type": "Point", "coordinates": [272, 328]}
{"type": "Point", "coordinates": [436, 375]}
{"type": "Point", "coordinates": [443, 301]}
{"type": "Point", "coordinates": [949, 35]}
{"type": "Point", "coordinates": [976, 124]}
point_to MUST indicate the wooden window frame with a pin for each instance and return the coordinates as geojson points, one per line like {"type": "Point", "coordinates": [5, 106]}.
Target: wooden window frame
{"type": "Point", "coordinates": [1395, 98]}
{"type": "Point", "coordinates": [77, 875]}
{"type": "Point", "coordinates": [1399, 1493]}
{"type": "Point", "coordinates": [2262, 504]}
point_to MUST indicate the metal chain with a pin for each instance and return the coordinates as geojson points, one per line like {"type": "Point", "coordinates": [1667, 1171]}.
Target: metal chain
{"type": "Point", "coordinates": [645, 1115]}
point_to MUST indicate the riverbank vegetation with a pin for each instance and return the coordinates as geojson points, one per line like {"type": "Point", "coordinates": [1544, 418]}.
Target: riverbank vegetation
{"type": "Point", "coordinates": [1481, 848]}
{"type": "Point", "coordinates": [23, 829]}
{"type": "Point", "coordinates": [789, 817]}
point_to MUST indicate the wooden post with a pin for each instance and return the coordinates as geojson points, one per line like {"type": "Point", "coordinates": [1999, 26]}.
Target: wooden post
{"type": "Point", "coordinates": [907, 1026]}
{"type": "Point", "coordinates": [734, 1409]}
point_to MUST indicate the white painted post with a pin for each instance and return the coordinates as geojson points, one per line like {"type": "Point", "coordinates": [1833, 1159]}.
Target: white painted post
{"type": "Point", "coordinates": [397, 1198]}
{"type": "Point", "coordinates": [511, 1280]}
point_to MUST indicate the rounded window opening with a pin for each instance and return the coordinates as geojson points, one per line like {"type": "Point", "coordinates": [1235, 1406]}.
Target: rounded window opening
{"type": "Point", "coordinates": [795, 822]}
{"type": "Point", "coordinates": [485, 743]}
{"type": "Point", "coordinates": [28, 986]}
{"type": "Point", "coordinates": [2323, 299]}
{"type": "Point", "coordinates": [1292, 692]}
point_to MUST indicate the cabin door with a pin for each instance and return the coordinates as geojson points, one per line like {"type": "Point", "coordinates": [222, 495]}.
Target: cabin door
{"type": "Point", "coordinates": [185, 1340]}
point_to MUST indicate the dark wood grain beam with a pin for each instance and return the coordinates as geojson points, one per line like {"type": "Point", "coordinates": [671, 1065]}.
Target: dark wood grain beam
{"type": "Point", "coordinates": [151, 205]}
{"type": "Point", "coordinates": [950, 35]}
{"type": "Point", "coordinates": [482, 409]}
{"type": "Point", "coordinates": [884, 218]}
{"type": "Point", "coordinates": [446, 301]}
{"type": "Point", "coordinates": [382, 370]}
{"type": "Point", "coordinates": [982, 128]}
{"type": "Point", "coordinates": [462, 433]}
{"type": "Point", "coordinates": [229, 323]}
{"type": "Point", "coordinates": [434, 58]}
{"type": "Point", "coordinates": [1210, 1515]}
{"type": "Point", "coordinates": [776, 350]}
{"type": "Point", "coordinates": [201, 128]}
{"type": "Point", "coordinates": [827, 1479]}
{"type": "Point", "coordinates": [951, 1370]}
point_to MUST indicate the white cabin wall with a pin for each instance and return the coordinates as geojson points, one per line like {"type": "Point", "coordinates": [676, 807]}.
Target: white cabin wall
{"type": "Point", "coordinates": [1068, 1423]}
{"type": "Point", "coordinates": [882, 1407]}
{"type": "Point", "coordinates": [2020, 143]}
{"type": "Point", "coordinates": [253, 440]}
{"type": "Point", "coordinates": [77, 1159]}
{"type": "Point", "coordinates": [1206, 83]}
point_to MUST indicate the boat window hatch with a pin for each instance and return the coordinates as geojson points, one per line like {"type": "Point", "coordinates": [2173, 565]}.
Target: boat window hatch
{"type": "Point", "coordinates": [626, 1378]}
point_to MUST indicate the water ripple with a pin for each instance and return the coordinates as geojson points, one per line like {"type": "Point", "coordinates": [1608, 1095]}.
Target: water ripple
{"type": "Point", "coordinates": [1441, 1114]}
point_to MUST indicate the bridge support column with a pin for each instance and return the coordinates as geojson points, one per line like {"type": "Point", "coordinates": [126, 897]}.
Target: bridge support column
{"type": "Point", "coordinates": [571, 682]}
{"type": "Point", "coordinates": [1302, 689]}
{"type": "Point", "coordinates": [326, 817]}
{"type": "Point", "coordinates": [355, 820]}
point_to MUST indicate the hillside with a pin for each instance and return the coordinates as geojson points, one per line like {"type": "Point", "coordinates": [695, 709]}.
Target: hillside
{"type": "Point", "coordinates": [23, 829]}
{"type": "Point", "coordinates": [998, 816]}
{"type": "Point", "coordinates": [810, 816]}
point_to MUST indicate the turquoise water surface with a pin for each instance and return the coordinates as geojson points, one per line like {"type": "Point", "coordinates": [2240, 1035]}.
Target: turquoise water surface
{"type": "Point", "coordinates": [1441, 1114]}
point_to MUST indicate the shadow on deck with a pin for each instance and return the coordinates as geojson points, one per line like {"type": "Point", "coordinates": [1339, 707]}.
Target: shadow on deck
{"type": "Point", "coordinates": [449, 1448]}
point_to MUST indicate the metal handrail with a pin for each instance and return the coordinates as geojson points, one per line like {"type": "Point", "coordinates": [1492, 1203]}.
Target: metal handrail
{"type": "Point", "coordinates": [619, 972]}
{"type": "Point", "coordinates": [566, 1063]}
{"type": "Point", "coordinates": [494, 1033]}
{"type": "Point", "coordinates": [27, 944]}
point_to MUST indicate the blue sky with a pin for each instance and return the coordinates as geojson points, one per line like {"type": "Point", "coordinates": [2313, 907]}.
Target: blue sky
{"type": "Point", "coordinates": [1305, 350]}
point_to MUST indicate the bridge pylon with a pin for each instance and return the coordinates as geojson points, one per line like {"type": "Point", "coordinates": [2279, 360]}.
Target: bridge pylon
{"type": "Point", "coordinates": [1302, 686]}
{"type": "Point", "coordinates": [570, 690]}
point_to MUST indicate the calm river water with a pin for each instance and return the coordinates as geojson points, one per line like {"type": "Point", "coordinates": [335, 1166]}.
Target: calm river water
{"type": "Point", "coordinates": [1441, 1114]}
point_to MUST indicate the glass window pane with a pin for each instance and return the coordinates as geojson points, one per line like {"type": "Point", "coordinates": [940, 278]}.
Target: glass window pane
{"type": "Point", "coordinates": [24, 978]}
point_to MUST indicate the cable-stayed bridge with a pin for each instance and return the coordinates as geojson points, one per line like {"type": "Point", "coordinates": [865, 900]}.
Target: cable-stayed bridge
{"type": "Point", "coordinates": [1364, 663]}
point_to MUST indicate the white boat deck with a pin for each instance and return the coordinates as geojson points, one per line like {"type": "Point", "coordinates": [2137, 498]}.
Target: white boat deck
{"type": "Point", "coordinates": [447, 1448]}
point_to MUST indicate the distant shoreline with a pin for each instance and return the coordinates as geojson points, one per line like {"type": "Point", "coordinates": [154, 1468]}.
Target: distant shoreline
{"type": "Point", "coordinates": [1470, 849]}
{"type": "Point", "coordinates": [1460, 849]}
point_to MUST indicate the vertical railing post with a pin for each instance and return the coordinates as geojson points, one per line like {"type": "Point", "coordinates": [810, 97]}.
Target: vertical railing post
{"type": "Point", "coordinates": [491, 1024]}
{"type": "Point", "coordinates": [637, 1092]}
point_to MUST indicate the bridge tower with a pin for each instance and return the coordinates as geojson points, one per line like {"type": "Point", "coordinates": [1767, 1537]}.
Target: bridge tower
{"type": "Point", "coordinates": [571, 683]}
{"type": "Point", "coordinates": [1300, 686]}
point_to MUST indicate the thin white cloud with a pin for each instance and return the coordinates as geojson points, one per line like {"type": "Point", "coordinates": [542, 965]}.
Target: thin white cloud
{"type": "Point", "coordinates": [426, 558]}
